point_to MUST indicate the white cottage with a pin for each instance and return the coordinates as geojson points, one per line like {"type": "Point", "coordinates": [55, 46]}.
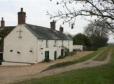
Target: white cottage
{"type": "Point", "coordinates": [30, 44]}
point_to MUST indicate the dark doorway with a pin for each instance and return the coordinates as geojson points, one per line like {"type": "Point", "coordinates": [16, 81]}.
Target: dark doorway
{"type": "Point", "coordinates": [1, 57]}
{"type": "Point", "coordinates": [67, 52]}
{"type": "Point", "coordinates": [46, 56]}
{"type": "Point", "coordinates": [62, 52]}
{"type": "Point", "coordinates": [55, 55]}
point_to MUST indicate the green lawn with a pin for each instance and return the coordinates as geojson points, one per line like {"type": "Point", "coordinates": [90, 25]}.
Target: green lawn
{"type": "Point", "coordinates": [96, 75]}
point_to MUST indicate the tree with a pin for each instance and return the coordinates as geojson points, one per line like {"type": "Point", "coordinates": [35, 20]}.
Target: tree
{"type": "Point", "coordinates": [73, 8]}
{"type": "Point", "coordinates": [97, 28]}
{"type": "Point", "coordinates": [97, 32]}
{"type": "Point", "coordinates": [81, 39]}
{"type": "Point", "coordinates": [97, 42]}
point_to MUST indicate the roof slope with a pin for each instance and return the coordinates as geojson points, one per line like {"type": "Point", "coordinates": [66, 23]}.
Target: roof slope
{"type": "Point", "coordinates": [3, 33]}
{"type": "Point", "coordinates": [46, 33]}
{"type": "Point", "coordinates": [6, 30]}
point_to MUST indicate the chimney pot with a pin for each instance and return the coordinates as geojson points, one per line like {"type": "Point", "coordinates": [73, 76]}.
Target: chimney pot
{"type": "Point", "coordinates": [21, 17]}
{"type": "Point", "coordinates": [53, 25]}
{"type": "Point", "coordinates": [21, 9]}
{"type": "Point", "coordinates": [2, 18]}
{"type": "Point", "coordinates": [61, 29]}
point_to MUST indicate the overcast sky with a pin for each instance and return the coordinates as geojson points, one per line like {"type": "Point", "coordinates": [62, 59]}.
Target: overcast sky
{"type": "Point", "coordinates": [36, 14]}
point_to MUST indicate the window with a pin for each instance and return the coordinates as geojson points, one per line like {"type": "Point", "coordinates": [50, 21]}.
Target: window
{"type": "Point", "coordinates": [62, 42]}
{"type": "Point", "coordinates": [68, 43]}
{"type": "Point", "coordinates": [31, 51]}
{"type": "Point", "coordinates": [46, 43]}
{"type": "Point", "coordinates": [55, 43]}
{"type": "Point", "coordinates": [18, 52]}
{"type": "Point", "coordinates": [11, 50]}
{"type": "Point", "coordinates": [42, 44]}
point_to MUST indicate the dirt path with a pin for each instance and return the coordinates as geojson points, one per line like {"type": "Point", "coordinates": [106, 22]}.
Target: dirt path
{"type": "Point", "coordinates": [85, 64]}
{"type": "Point", "coordinates": [9, 76]}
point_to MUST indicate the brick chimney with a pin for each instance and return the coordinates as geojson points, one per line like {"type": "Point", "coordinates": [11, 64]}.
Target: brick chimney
{"type": "Point", "coordinates": [21, 17]}
{"type": "Point", "coordinates": [2, 23]}
{"type": "Point", "coordinates": [53, 25]}
{"type": "Point", "coordinates": [61, 29]}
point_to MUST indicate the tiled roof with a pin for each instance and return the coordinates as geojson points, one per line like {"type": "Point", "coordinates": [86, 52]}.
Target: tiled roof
{"type": "Point", "coordinates": [47, 33]}
{"type": "Point", "coordinates": [6, 30]}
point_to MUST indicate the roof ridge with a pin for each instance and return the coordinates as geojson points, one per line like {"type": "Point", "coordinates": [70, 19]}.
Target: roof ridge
{"type": "Point", "coordinates": [38, 26]}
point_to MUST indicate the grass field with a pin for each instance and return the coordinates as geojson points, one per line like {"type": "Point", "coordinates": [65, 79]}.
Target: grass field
{"type": "Point", "coordinates": [96, 75]}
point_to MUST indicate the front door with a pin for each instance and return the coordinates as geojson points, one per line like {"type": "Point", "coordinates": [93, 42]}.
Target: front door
{"type": "Point", "coordinates": [62, 52]}
{"type": "Point", "coordinates": [66, 52]}
{"type": "Point", "coordinates": [55, 55]}
{"type": "Point", "coordinates": [1, 57]}
{"type": "Point", "coordinates": [46, 56]}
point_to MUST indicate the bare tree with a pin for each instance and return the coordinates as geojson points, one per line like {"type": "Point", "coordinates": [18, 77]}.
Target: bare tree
{"type": "Point", "coordinates": [98, 32]}
{"type": "Point", "coordinates": [103, 9]}
{"type": "Point", "coordinates": [97, 28]}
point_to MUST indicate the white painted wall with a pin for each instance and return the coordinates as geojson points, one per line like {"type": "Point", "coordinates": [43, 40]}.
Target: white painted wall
{"type": "Point", "coordinates": [23, 45]}
{"type": "Point", "coordinates": [40, 49]}
{"type": "Point", "coordinates": [70, 45]}
{"type": "Point", "coordinates": [28, 43]}
{"type": "Point", "coordinates": [59, 44]}
{"type": "Point", "coordinates": [52, 48]}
